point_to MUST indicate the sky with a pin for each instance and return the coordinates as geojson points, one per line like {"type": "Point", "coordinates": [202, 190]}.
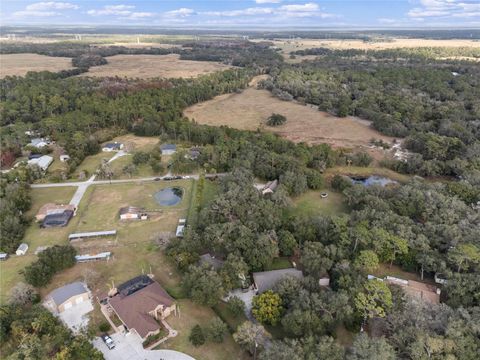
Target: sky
{"type": "Point", "coordinates": [248, 14]}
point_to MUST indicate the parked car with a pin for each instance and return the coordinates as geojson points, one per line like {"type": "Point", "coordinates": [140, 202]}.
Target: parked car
{"type": "Point", "coordinates": [108, 341]}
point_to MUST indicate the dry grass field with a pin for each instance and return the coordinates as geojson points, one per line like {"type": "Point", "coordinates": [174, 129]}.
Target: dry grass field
{"type": "Point", "coordinates": [250, 110]}
{"type": "Point", "coordinates": [20, 64]}
{"type": "Point", "coordinates": [150, 66]}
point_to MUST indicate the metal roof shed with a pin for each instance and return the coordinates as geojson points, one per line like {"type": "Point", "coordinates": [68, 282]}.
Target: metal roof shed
{"type": "Point", "coordinates": [92, 234]}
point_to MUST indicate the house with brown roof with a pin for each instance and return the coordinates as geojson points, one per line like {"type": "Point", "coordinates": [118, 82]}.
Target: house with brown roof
{"type": "Point", "coordinates": [141, 303]}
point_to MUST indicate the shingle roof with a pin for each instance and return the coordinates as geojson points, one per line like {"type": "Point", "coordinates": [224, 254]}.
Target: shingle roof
{"type": "Point", "coordinates": [133, 309]}
{"type": "Point", "coordinates": [62, 294]}
{"type": "Point", "coordinates": [266, 280]}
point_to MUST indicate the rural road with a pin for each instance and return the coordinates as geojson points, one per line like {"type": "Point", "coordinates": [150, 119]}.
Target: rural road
{"type": "Point", "coordinates": [82, 186]}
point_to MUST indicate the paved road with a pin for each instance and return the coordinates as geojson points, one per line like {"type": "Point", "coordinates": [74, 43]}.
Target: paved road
{"type": "Point", "coordinates": [82, 186]}
{"type": "Point", "coordinates": [129, 347]}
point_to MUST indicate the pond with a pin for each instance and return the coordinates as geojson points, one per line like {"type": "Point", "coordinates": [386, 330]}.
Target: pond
{"type": "Point", "coordinates": [169, 196]}
{"type": "Point", "coordinates": [372, 180]}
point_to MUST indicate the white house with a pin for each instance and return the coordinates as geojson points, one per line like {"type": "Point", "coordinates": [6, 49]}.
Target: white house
{"type": "Point", "coordinates": [43, 162]}
{"type": "Point", "coordinates": [109, 147]}
{"type": "Point", "coordinates": [39, 142]}
{"type": "Point", "coordinates": [22, 249]}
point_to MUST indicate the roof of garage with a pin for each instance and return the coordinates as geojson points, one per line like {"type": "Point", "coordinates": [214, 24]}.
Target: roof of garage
{"type": "Point", "coordinates": [64, 293]}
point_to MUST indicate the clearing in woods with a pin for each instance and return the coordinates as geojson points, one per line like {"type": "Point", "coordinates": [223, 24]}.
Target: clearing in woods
{"type": "Point", "coordinates": [250, 110]}
{"type": "Point", "coordinates": [151, 66]}
{"type": "Point", "coordinates": [20, 64]}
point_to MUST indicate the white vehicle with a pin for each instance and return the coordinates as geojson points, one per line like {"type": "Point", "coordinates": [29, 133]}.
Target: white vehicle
{"type": "Point", "coordinates": [108, 341]}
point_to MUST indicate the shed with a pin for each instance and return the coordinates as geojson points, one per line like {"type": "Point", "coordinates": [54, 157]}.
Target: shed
{"type": "Point", "coordinates": [64, 158]}
{"type": "Point", "coordinates": [3, 256]}
{"type": "Point", "coordinates": [78, 236]}
{"type": "Point", "coordinates": [168, 149]}
{"type": "Point", "coordinates": [87, 257]}
{"type": "Point", "coordinates": [67, 296]}
{"type": "Point", "coordinates": [22, 249]}
{"type": "Point", "coordinates": [266, 280]}
{"type": "Point", "coordinates": [132, 212]}
{"type": "Point", "coordinates": [180, 227]}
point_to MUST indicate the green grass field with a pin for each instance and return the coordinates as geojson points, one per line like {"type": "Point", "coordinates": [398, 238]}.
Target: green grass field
{"type": "Point", "coordinates": [311, 203]}
{"type": "Point", "coordinates": [191, 314]}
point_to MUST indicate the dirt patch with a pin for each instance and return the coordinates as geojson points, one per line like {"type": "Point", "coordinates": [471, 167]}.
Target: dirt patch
{"type": "Point", "coordinates": [250, 109]}
{"type": "Point", "coordinates": [150, 66]}
{"type": "Point", "coordinates": [20, 64]}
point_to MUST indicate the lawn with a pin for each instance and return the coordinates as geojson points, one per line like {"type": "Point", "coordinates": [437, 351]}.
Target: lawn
{"type": "Point", "coordinates": [279, 263]}
{"type": "Point", "coordinates": [35, 236]}
{"type": "Point", "coordinates": [91, 164]}
{"type": "Point", "coordinates": [310, 203]}
{"type": "Point", "coordinates": [191, 314]}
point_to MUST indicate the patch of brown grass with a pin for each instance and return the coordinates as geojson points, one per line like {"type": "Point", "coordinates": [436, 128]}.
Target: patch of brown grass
{"type": "Point", "coordinates": [151, 66]}
{"type": "Point", "coordinates": [250, 110]}
{"type": "Point", "coordinates": [20, 64]}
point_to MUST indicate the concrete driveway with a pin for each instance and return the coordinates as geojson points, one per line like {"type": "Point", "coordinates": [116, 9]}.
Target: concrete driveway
{"type": "Point", "coordinates": [76, 317]}
{"type": "Point", "coordinates": [129, 347]}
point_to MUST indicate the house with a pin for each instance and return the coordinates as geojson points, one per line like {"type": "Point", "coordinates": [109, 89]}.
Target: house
{"type": "Point", "coordinates": [93, 234]}
{"type": "Point", "coordinates": [22, 249]}
{"type": "Point", "coordinates": [43, 162]}
{"type": "Point", "coordinates": [270, 187]}
{"type": "Point", "coordinates": [115, 146]}
{"type": "Point", "coordinates": [132, 212]}
{"type": "Point", "coordinates": [211, 260]}
{"type": "Point", "coordinates": [180, 227]}
{"type": "Point", "coordinates": [39, 143]}
{"type": "Point", "coordinates": [87, 257]}
{"type": "Point", "coordinates": [266, 280]}
{"type": "Point", "coordinates": [64, 158]}
{"type": "Point", "coordinates": [3, 256]}
{"type": "Point", "coordinates": [52, 208]}
{"type": "Point", "coordinates": [67, 296]}
{"type": "Point", "coordinates": [426, 292]}
{"type": "Point", "coordinates": [140, 304]}
{"type": "Point", "coordinates": [168, 149]}
{"type": "Point", "coordinates": [59, 219]}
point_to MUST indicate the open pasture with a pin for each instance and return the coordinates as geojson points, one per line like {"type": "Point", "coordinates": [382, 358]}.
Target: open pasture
{"type": "Point", "coordinates": [152, 66]}
{"type": "Point", "coordinates": [20, 64]}
{"type": "Point", "coordinates": [250, 110]}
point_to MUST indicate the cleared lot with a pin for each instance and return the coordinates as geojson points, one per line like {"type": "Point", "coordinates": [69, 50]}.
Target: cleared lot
{"type": "Point", "coordinates": [250, 110]}
{"type": "Point", "coordinates": [20, 64]}
{"type": "Point", "coordinates": [150, 66]}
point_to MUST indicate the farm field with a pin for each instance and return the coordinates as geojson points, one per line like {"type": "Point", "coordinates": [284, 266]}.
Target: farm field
{"type": "Point", "coordinates": [250, 110]}
{"type": "Point", "coordinates": [150, 66]}
{"type": "Point", "coordinates": [20, 64]}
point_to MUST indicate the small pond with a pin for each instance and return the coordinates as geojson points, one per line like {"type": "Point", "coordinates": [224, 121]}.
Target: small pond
{"type": "Point", "coordinates": [169, 196]}
{"type": "Point", "coordinates": [372, 180]}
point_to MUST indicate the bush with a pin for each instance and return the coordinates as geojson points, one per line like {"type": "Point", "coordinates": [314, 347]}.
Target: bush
{"type": "Point", "coordinates": [104, 326]}
{"type": "Point", "coordinates": [286, 243]}
{"type": "Point", "coordinates": [236, 305]}
{"type": "Point", "coordinates": [197, 338]}
{"type": "Point", "coordinates": [276, 120]}
{"type": "Point", "coordinates": [216, 330]}
{"type": "Point", "coordinates": [340, 182]}
{"type": "Point", "coordinates": [50, 261]}
{"type": "Point", "coordinates": [140, 157]}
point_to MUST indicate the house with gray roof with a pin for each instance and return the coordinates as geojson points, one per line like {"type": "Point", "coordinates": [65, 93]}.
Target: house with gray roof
{"type": "Point", "coordinates": [168, 149]}
{"type": "Point", "coordinates": [266, 280]}
{"type": "Point", "coordinates": [67, 296]}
